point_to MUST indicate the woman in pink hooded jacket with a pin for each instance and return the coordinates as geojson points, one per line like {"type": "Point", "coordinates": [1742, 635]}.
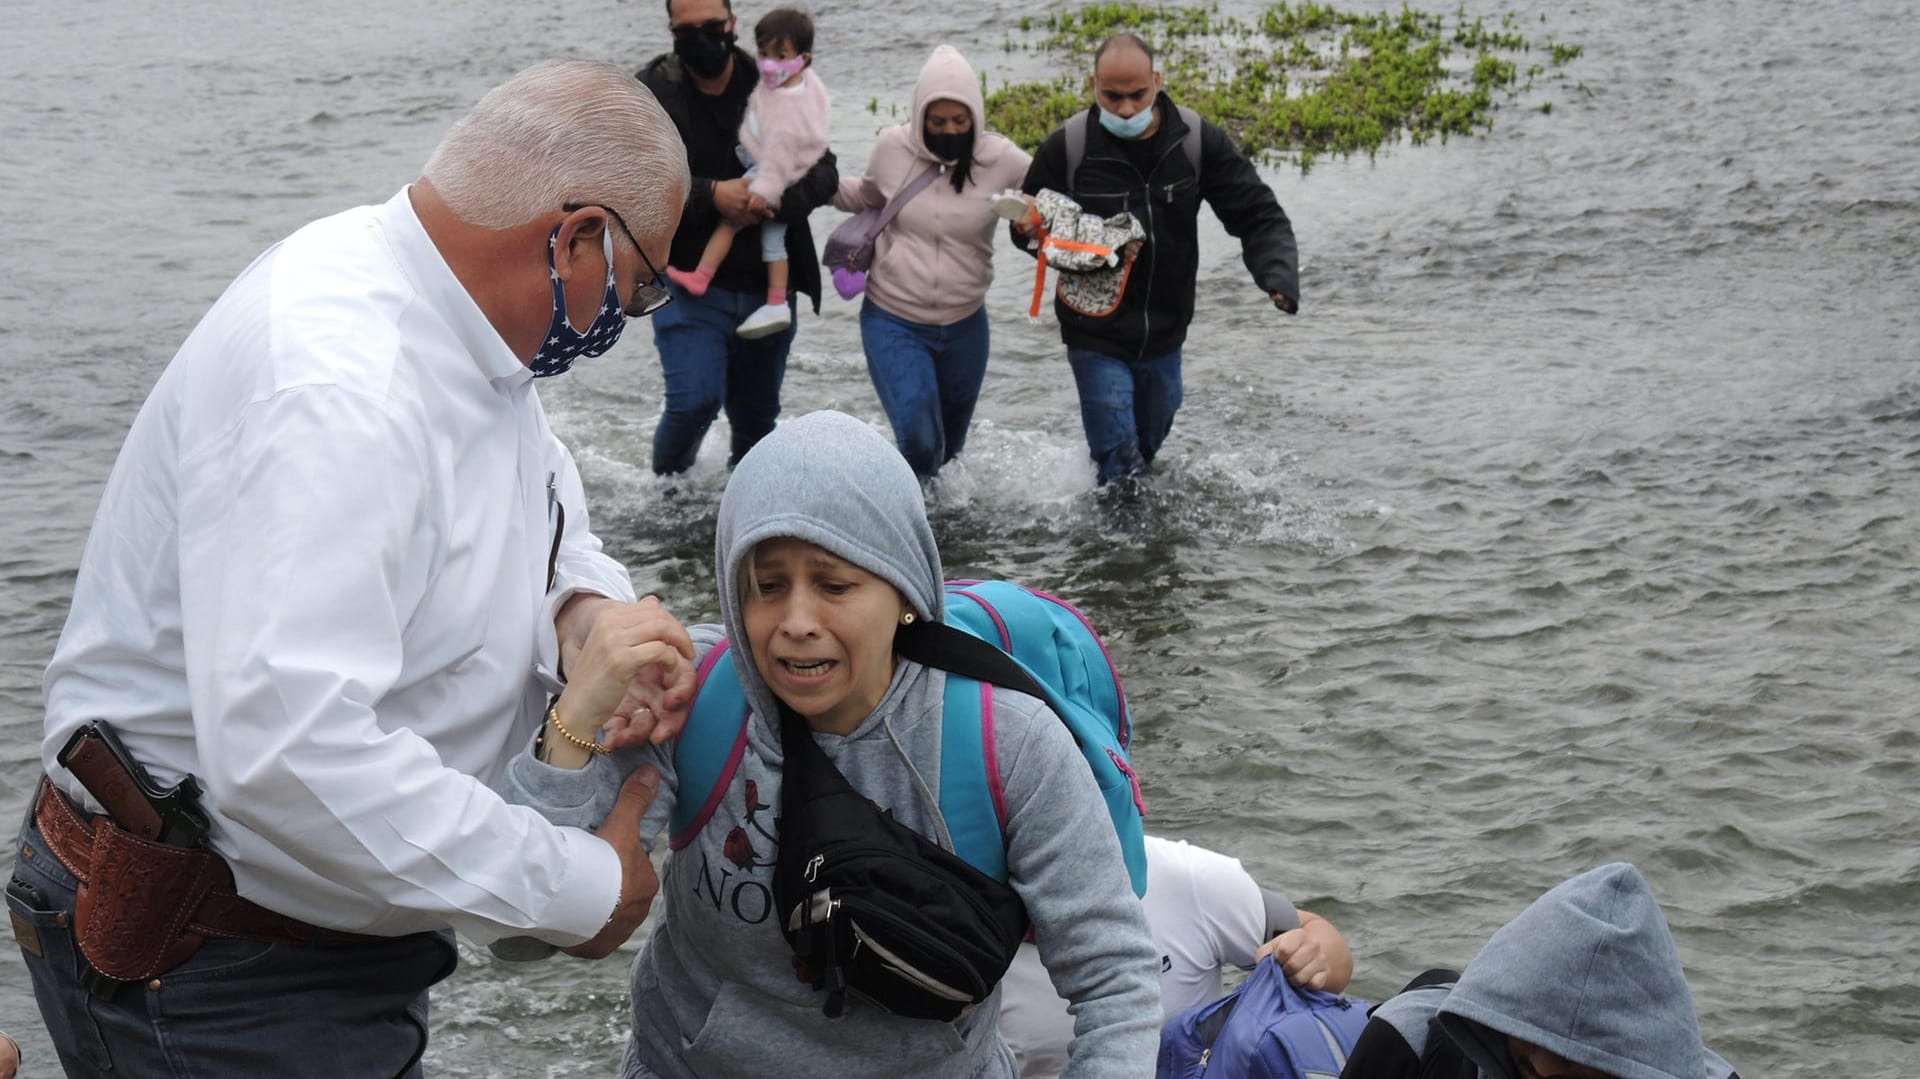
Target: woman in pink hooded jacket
{"type": "Point", "coordinates": [924, 322]}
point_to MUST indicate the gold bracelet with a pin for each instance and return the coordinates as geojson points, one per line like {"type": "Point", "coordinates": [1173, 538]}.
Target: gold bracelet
{"type": "Point", "coordinates": [553, 717]}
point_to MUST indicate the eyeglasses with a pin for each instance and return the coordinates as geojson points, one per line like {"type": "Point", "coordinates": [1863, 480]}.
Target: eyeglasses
{"type": "Point", "coordinates": [711, 26]}
{"type": "Point", "coordinates": [649, 295]}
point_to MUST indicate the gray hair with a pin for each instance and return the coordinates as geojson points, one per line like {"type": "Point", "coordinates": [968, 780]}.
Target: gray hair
{"type": "Point", "coordinates": [560, 132]}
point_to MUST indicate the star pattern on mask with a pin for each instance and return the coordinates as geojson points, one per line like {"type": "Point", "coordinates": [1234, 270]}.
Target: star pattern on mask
{"type": "Point", "coordinates": [565, 344]}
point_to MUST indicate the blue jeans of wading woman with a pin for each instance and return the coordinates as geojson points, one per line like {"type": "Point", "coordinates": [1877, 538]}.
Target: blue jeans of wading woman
{"type": "Point", "coordinates": [707, 367]}
{"type": "Point", "coordinates": [928, 378]}
{"type": "Point", "coordinates": [1126, 408]}
{"type": "Point", "coordinates": [238, 1007]}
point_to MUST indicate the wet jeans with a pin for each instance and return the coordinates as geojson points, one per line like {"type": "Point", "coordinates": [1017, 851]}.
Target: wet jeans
{"type": "Point", "coordinates": [1126, 408]}
{"type": "Point", "coordinates": [928, 378]}
{"type": "Point", "coordinates": [707, 367]}
{"type": "Point", "coordinates": [238, 1007]}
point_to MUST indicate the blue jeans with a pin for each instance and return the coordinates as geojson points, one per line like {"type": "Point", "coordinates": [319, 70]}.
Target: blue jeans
{"type": "Point", "coordinates": [1126, 408]}
{"type": "Point", "coordinates": [708, 367]}
{"type": "Point", "coordinates": [238, 1007]}
{"type": "Point", "coordinates": [928, 378]}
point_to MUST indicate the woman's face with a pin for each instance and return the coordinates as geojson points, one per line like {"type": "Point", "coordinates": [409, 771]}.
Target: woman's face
{"type": "Point", "coordinates": [821, 630]}
{"type": "Point", "coordinates": [1533, 1062]}
{"type": "Point", "coordinates": [948, 118]}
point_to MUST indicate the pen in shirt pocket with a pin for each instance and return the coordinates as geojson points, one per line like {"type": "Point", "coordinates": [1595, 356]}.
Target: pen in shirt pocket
{"type": "Point", "coordinates": [557, 519]}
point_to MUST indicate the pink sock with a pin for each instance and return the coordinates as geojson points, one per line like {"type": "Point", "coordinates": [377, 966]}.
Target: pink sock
{"type": "Point", "coordinates": [776, 297]}
{"type": "Point", "coordinates": [694, 281]}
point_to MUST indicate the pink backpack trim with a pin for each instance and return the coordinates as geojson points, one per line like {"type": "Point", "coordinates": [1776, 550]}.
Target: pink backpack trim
{"type": "Point", "coordinates": [991, 751]}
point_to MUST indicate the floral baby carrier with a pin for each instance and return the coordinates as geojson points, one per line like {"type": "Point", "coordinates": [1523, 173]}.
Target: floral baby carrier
{"type": "Point", "coordinates": [1094, 255]}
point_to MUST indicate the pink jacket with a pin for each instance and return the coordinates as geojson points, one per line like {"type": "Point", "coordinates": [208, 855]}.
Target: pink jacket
{"type": "Point", "coordinates": [935, 260]}
{"type": "Point", "coordinates": [785, 131]}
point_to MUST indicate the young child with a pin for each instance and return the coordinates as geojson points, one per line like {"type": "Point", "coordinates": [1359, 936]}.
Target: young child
{"type": "Point", "coordinates": [784, 133]}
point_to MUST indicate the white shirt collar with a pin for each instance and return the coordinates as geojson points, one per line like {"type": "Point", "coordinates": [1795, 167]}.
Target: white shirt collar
{"type": "Point", "coordinates": [422, 262]}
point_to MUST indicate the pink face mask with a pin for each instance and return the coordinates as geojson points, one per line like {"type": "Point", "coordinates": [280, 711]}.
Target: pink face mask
{"type": "Point", "coordinates": [775, 73]}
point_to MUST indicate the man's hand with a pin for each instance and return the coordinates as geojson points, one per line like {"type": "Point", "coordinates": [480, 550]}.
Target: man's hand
{"type": "Point", "coordinates": [734, 203]}
{"type": "Point", "coordinates": [638, 882]}
{"type": "Point", "coordinates": [1285, 303]}
{"type": "Point", "coordinates": [1299, 956]}
{"type": "Point", "coordinates": [1314, 956]}
{"type": "Point", "coordinates": [633, 676]}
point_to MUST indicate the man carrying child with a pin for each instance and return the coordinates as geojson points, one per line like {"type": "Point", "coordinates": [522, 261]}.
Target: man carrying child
{"type": "Point", "coordinates": [705, 85]}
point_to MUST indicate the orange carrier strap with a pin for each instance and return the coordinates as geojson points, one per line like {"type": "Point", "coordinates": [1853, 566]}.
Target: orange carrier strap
{"type": "Point", "coordinates": [1047, 240]}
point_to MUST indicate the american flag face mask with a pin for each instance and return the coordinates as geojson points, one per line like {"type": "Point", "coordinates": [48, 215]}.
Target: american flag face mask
{"type": "Point", "coordinates": [564, 344]}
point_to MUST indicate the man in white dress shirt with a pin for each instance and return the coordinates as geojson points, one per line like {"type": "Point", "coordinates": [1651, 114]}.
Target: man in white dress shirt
{"type": "Point", "coordinates": [1206, 912]}
{"type": "Point", "coordinates": [338, 570]}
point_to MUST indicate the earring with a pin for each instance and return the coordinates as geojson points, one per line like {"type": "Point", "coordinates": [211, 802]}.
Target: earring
{"type": "Point", "coordinates": [907, 619]}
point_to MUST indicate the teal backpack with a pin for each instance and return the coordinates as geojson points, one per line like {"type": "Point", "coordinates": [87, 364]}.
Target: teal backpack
{"type": "Point", "coordinates": [996, 633]}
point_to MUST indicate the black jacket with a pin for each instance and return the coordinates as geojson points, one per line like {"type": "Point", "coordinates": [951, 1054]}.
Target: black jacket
{"type": "Point", "coordinates": [710, 139]}
{"type": "Point", "coordinates": [1158, 303]}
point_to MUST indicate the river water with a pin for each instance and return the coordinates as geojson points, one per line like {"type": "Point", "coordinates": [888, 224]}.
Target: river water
{"type": "Point", "coordinates": [1573, 520]}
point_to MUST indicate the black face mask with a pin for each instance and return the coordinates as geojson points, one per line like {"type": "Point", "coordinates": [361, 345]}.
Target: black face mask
{"type": "Point", "coordinates": [955, 148]}
{"type": "Point", "coordinates": [950, 147]}
{"type": "Point", "coordinates": [705, 52]}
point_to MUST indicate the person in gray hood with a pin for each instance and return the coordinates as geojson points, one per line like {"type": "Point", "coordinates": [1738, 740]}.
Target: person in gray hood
{"type": "Point", "coordinates": [1584, 984]}
{"type": "Point", "coordinates": [822, 548]}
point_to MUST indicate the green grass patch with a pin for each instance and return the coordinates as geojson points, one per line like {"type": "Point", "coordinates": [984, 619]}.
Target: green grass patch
{"type": "Point", "coordinates": [1299, 81]}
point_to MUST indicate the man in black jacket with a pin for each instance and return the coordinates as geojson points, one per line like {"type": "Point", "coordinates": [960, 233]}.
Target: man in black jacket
{"type": "Point", "coordinates": [703, 84]}
{"type": "Point", "coordinates": [1138, 159]}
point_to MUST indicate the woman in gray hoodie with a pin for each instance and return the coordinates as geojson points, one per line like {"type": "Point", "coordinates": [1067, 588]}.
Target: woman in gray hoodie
{"type": "Point", "coordinates": [821, 548]}
{"type": "Point", "coordinates": [1584, 984]}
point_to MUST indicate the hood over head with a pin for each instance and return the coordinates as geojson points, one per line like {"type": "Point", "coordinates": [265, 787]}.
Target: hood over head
{"type": "Point", "coordinates": [947, 76]}
{"type": "Point", "coordinates": [1588, 971]}
{"type": "Point", "coordinates": [832, 481]}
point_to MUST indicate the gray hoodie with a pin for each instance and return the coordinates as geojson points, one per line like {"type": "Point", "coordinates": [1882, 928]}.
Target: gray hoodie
{"type": "Point", "coordinates": [1588, 971]}
{"type": "Point", "coordinates": [714, 991]}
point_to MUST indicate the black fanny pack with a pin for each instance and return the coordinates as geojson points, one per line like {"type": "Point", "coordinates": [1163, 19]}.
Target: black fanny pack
{"type": "Point", "coordinates": [871, 906]}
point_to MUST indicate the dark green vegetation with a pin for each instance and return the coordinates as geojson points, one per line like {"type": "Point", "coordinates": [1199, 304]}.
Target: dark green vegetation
{"type": "Point", "coordinates": [1300, 81]}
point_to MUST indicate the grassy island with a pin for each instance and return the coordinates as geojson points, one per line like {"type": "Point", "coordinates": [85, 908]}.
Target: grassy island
{"type": "Point", "coordinates": [1299, 81]}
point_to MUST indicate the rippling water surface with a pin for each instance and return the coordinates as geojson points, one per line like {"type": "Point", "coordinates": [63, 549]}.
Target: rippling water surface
{"type": "Point", "coordinates": [1574, 520]}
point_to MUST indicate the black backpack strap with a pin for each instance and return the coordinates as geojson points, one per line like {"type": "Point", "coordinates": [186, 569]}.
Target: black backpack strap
{"type": "Point", "coordinates": [935, 644]}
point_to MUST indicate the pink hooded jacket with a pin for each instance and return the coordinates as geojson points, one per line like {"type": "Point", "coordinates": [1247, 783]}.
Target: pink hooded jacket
{"type": "Point", "coordinates": [786, 132]}
{"type": "Point", "coordinates": [933, 263]}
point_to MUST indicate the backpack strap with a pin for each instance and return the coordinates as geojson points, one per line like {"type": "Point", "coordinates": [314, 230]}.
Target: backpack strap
{"type": "Point", "coordinates": [1190, 142]}
{"type": "Point", "coordinates": [708, 750]}
{"type": "Point", "coordinates": [711, 746]}
{"type": "Point", "coordinates": [971, 799]}
{"type": "Point", "coordinates": [1075, 130]}
{"type": "Point", "coordinates": [903, 196]}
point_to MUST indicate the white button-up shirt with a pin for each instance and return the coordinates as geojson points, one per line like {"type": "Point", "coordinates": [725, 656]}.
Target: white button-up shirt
{"type": "Point", "coordinates": [318, 582]}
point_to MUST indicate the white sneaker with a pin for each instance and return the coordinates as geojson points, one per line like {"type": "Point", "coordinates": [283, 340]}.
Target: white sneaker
{"type": "Point", "coordinates": [770, 319]}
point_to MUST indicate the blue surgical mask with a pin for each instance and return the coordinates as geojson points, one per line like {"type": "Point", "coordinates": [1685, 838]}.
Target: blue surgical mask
{"type": "Point", "coordinates": [564, 344]}
{"type": "Point", "coordinates": [1127, 127]}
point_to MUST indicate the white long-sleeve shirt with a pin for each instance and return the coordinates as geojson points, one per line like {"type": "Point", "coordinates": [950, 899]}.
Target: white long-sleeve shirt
{"type": "Point", "coordinates": [317, 581]}
{"type": "Point", "coordinates": [1204, 910]}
